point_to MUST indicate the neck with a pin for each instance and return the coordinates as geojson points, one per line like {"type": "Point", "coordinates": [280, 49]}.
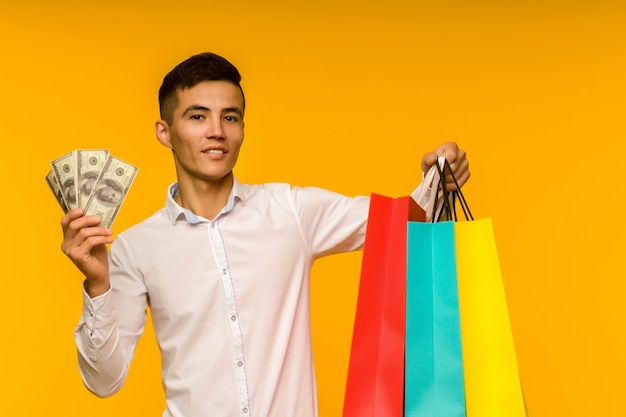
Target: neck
{"type": "Point", "coordinates": [205, 198]}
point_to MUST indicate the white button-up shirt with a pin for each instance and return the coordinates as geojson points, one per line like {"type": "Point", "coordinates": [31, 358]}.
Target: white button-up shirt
{"type": "Point", "coordinates": [229, 300]}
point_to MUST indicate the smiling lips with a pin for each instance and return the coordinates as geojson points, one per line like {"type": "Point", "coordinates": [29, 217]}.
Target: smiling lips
{"type": "Point", "coordinates": [215, 153]}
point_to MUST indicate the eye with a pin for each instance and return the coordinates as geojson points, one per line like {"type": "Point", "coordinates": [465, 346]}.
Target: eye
{"type": "Point", "coordinates": [197, 117]}
{"type": "Point", "coordinates": [231, 118]}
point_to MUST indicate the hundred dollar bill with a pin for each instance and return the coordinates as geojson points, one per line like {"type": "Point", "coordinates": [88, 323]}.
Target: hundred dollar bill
{"type": "Point", "coordinates": [65, 172]}
{"type": "Point", "coordinates": [54, 185]}
{"type": "Point", "coordinates": [89, 164]}
{"type": "Point", "coordinates": [110, 190]}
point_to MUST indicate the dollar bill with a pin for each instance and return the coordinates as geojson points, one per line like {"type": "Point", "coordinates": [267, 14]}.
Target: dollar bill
{"type": "Point", "coordinates": [54, 185]}
{"type": "Point", "coordinates": [89, 164]}
{"type": "Point", "coordinates": [65, 172]}
{"type": "Point", "coordinates": [110, 190]}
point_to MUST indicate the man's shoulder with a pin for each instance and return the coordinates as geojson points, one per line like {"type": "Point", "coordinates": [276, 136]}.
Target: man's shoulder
{"type": "Point", "coordinates": [152, 223]}
{"type": "Point", "coordinates": [263, 190]}
{"type": "Point", "coordinates": [264, 187]}
{"type": "Point", "coordinates": [278, 188]}
{"type": "Point", "coordinates": [292, 197]}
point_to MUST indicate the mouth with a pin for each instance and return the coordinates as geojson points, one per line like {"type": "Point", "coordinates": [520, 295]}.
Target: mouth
{"type": "Point", "coordinates": [214, 151]}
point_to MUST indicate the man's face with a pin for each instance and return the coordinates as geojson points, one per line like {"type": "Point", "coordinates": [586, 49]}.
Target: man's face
{"type": "Point", "coordinates": [206, 132]}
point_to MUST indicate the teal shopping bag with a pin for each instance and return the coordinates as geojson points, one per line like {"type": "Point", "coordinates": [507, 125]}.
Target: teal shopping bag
{"type": "Point", "coordinates": [434, 385]}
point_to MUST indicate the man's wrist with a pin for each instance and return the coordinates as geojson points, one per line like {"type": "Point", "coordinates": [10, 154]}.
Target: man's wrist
{"type": "Point", "coordinates": [95, 289]}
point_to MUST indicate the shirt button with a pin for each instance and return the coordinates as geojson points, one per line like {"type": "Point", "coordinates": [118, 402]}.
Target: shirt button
{"type": "Point", "coordinates": [224, 271]}
{"type": "Point", "coordinates": [240, 364]}
{"type": "Point", "coordinates": [233, 317]}
{"type": "Point", "coordinates": [245, 410]}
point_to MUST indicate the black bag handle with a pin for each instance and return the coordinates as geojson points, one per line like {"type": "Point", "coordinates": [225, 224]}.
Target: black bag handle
{"type": "Point", "coordinates": [449, 198]}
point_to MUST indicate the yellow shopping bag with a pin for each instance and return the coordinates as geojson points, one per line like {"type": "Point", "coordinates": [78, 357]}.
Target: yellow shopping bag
{"type": "Point", "coordinates": [492, 382]}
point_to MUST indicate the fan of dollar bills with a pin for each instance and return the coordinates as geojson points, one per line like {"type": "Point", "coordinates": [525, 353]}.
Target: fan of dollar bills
{"type": "Point", "coordinates": [92, 179]}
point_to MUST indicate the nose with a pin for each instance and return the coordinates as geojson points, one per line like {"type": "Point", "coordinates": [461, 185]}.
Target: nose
{"type": "Point", "coordinates": [215, 128]}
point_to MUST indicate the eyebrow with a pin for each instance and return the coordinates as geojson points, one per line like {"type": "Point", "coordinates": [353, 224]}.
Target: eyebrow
{"type": "Point", "coordinates": [198, 107]}
{"type": "Point", "coordinates": [194, 107]}
{"type": "Point", "coordinates": [233, 110]}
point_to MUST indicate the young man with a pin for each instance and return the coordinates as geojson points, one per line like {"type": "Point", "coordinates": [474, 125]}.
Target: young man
{"type": "Point", "coordinates": [224, 266]}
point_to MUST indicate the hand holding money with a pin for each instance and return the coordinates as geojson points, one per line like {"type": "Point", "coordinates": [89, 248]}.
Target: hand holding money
{"type": "Point", "coordinates": [93, 180]}
{"type": "Point", "coordinates": [84, 243]}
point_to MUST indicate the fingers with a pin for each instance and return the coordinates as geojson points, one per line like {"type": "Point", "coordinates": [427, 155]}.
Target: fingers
{"type": "Point", "coordinates": [73, 221]}
{"type": "Point", "coordinates": [83, 241]}
{"type": "Point", "coordinates": [81, 235]}
{"type": "Point", "coordinates": [450, 150]}
{"type": "Point", "coordinates": [461, 179]}
{"type": "Point", "coordinates": [71, 216]}
{"type": "Point", "coordinates": [456, 158]}
{"type": "Point", "coordinates": [428, 161]}
{"type": "Point", "coordinates": [461, 172]}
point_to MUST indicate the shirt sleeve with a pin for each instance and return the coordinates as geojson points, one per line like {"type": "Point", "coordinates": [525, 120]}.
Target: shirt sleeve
{"type": "Point", "coordinates": [108, 331]}
{"type": "Point", "coordinates": [331, 222]}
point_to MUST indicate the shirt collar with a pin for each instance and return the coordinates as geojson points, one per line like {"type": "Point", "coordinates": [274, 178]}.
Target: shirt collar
{"type": "Point", "coordinates": [175, 212]}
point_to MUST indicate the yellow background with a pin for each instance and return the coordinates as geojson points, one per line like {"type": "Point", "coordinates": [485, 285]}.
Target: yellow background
{"type": "Point", "coordinates": [346, 95]}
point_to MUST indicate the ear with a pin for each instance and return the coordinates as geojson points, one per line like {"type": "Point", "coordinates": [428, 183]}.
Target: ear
{"type": "Point", "coordinates": [162, 130]}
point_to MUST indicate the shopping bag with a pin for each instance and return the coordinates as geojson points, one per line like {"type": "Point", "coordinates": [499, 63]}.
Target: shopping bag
{"type": "Point", "coordinates": [375, 383]}
{"type": "Point", "coordinates": [434, 381]}
{"type": "Point", "coordinates": [492, 382]}
{"type": "Point", "coordinates": [434, 360]}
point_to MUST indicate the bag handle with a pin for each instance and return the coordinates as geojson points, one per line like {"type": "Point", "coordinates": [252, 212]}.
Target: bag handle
{"type": "Point", "coordinates": [450, 197]}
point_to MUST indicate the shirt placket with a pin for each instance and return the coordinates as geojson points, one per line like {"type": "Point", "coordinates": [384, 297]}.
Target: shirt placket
{"type": "Point", "coordinates": [232, 316]}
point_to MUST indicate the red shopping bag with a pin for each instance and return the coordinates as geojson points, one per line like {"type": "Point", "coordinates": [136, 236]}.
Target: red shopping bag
{"type": "Point", "coordinates": [375, 385]}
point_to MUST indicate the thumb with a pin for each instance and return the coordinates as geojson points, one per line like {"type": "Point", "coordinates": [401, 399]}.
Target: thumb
{"type": "Point", "coordinates": [428, 161]}
{"type": "Point", "coordinates": [448, 150]}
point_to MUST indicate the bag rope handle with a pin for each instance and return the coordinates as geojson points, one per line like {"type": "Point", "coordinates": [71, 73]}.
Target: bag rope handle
{"type": "Point", "coordinates": [449, 198]}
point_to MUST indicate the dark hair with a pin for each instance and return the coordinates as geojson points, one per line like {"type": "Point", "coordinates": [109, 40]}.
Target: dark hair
{"type": "Point", "coordinates": [205, 66]}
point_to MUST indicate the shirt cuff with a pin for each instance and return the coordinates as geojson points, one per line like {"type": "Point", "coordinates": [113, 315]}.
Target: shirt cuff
{"type": "Point", "coordinates": [99, 311]}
